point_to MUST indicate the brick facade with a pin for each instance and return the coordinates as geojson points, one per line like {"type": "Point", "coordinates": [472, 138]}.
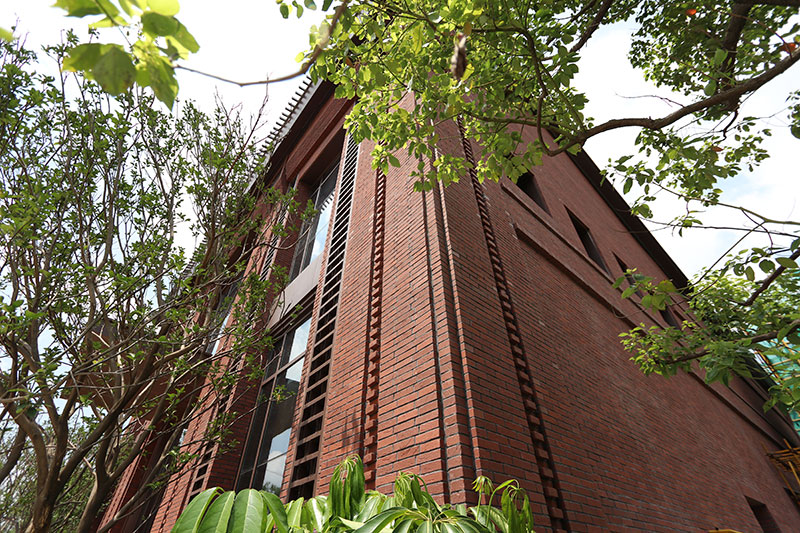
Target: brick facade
{"type": "Point", "coordinates": [474, 335]}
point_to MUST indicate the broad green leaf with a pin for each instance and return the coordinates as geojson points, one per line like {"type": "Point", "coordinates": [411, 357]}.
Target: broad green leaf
{"type": "Point", "coordinates": [155, 24]}
{"type": "Point", "coordinates": [164, 7]}
{"type": "Point", "coordinates": [277, 510]}
{"type": "Point", "coordinates": [114, 71]}
{"type": "Point", "coordinates": [315, 510]}
{"type": "Point", "coordinates": [84, 56]}
{"type": "Point", "coordinates": [786, 262]}
{"type": "Point", "coordinates": [190, 518]}
{"type": "Point", "coordinates": [162, 79]}
{"type": "Point", "coordinates": [372, 506]}
{"type": "Point", "coordinates": [79, 8]}
{"type": "Point", "coordinates": [380, 521]}
{"type": "Point", "coordinates": [218, 514]}
{"type": "Point", "coordinates": [352, 524]}
{"type": "Point", "coordinates": [404, 526]}
{"type": "Point", "coordinates": [425, 527]}
{"type": "Point", "coordinates": [710, 88]}
{"type": "Point", "coordinates": [183, 36]}
{"type": "Point", "coordinates": [6, 35]}
{"type": "Point", "coordinates": [248, 512]}
{"type": "Point", "coordinates": [293, 512]}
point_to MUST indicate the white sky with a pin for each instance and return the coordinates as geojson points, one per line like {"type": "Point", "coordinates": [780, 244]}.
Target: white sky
{"type": "Point", "coordinates": [248, 40]}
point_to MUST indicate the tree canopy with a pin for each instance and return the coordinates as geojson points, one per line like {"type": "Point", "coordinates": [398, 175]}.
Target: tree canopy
{"type": "Point", "coordinates": [109, 326]}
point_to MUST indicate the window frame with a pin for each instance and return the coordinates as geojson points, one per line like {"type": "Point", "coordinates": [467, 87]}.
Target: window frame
{"type": "Point", "coordinates": [588, 242]}
{"type": "Point", "coordinates": [252, 453]}
{"type": "Point", "coordinates": [309, 230]}
{"type": "Point", "coordinates": [528, 184]}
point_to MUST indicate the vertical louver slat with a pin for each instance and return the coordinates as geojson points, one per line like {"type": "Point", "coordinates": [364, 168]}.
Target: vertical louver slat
{"type": "Point", "coordinates": [309, 431]}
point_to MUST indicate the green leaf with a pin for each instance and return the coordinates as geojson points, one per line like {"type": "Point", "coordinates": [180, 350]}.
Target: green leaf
{"type": "Point", "coordinates": [785, 262]}
{"type": "Point", "coordinates": [795, 129]}
{"type": "Point", "coordinates": [249, 512]}
{"type": "Point", "coordinates": [6, 35]}
{"type": "Point", "coordinates": [79, 8]}
{"type": "Point", "coordinates": [628, 292]}
{"type": "Point", "coordinates": [316, 512]}
{"type": "Point", "coordinates": [164, 7]}
{"type": "Point", "coordinates": [293, 512]}
{"type": "Point", "coordinates": [84, 56]}
{"type": "Point", "coordinates": [218, 514]}
{"type": "Point", "coordinates": [284, 11]}
{"type": "Point", "coordinates": [352, 524]}
{"type": "Point", "coordinates": [326, 4]}
{"type": "Point", "coordinates": [749, 273]}
{"type": "Point", "coordinates": [190, 518]}
{"type": "Point", "coordinates": [277, 510]}
{"type": "Point", "coordinates": [114, 71]}
{"type": "Point", "coordinates": [710, 88]}
{"type": "Point", "coordinates": [183, 36]}
{"type": "Point", "coordinates": [155, 24]}
{"type": "Point", "coordinates": [380, 521]}
{"type": "Point", "coordinates": [161, 77]}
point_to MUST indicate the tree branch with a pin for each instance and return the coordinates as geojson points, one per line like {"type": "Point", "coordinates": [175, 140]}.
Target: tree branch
{"type": "Point", "coordinates": [769, 280]}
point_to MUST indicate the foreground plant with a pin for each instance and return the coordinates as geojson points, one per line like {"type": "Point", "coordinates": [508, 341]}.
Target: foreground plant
{"type": "Point", "coordinates": [348, 507]}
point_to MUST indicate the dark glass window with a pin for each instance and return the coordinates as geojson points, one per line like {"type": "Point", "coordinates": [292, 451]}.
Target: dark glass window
{"type": "Point", "coordinates": [628, 275]}
{"type": "Point", "coordinates": [264, 458]}
{"type": "Point", "coordinates": [527, 183]}
{"type": "Point", "coordinates": [669, 318]}
{"type": "Point", "coordinates": [588, 242]}
{"type": "Point", "coordinates": [312, 237]}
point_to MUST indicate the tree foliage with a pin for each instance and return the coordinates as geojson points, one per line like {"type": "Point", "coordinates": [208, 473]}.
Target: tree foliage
{"type": "Point", "coordinates": [107, 323]}
{"type": "Point", "coordinates": [349, 508]}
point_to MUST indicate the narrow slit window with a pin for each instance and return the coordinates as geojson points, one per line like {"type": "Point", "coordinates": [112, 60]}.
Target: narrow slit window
{"type": "Point", "coordinates": [669, 318]}
{"type": "Point", "coordinates": [764, 517]}
{"type": "Point", "coordinates": [527, 184]}
{"type": "Point", "coordinates": [588, 242]}
{"type": "Point", "coordinates": [628, 275]}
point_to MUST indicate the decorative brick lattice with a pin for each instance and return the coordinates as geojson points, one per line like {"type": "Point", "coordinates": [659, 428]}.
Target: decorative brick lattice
{"type": "Point", "coordinates": [544, 457]}
{"type": "Point", "coordinates": [372, 363]}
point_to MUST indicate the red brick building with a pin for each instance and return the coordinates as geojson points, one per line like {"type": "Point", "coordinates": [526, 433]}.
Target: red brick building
{"type": "Point", "coordinates": [473, 330]}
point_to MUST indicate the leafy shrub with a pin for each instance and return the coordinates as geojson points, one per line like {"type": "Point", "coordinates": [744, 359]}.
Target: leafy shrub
{"type": "Point", "coordinates": [349, 508]}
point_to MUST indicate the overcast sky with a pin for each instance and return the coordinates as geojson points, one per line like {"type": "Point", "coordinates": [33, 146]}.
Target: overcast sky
{"type": "Point", "coordinates": [247, 40]}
